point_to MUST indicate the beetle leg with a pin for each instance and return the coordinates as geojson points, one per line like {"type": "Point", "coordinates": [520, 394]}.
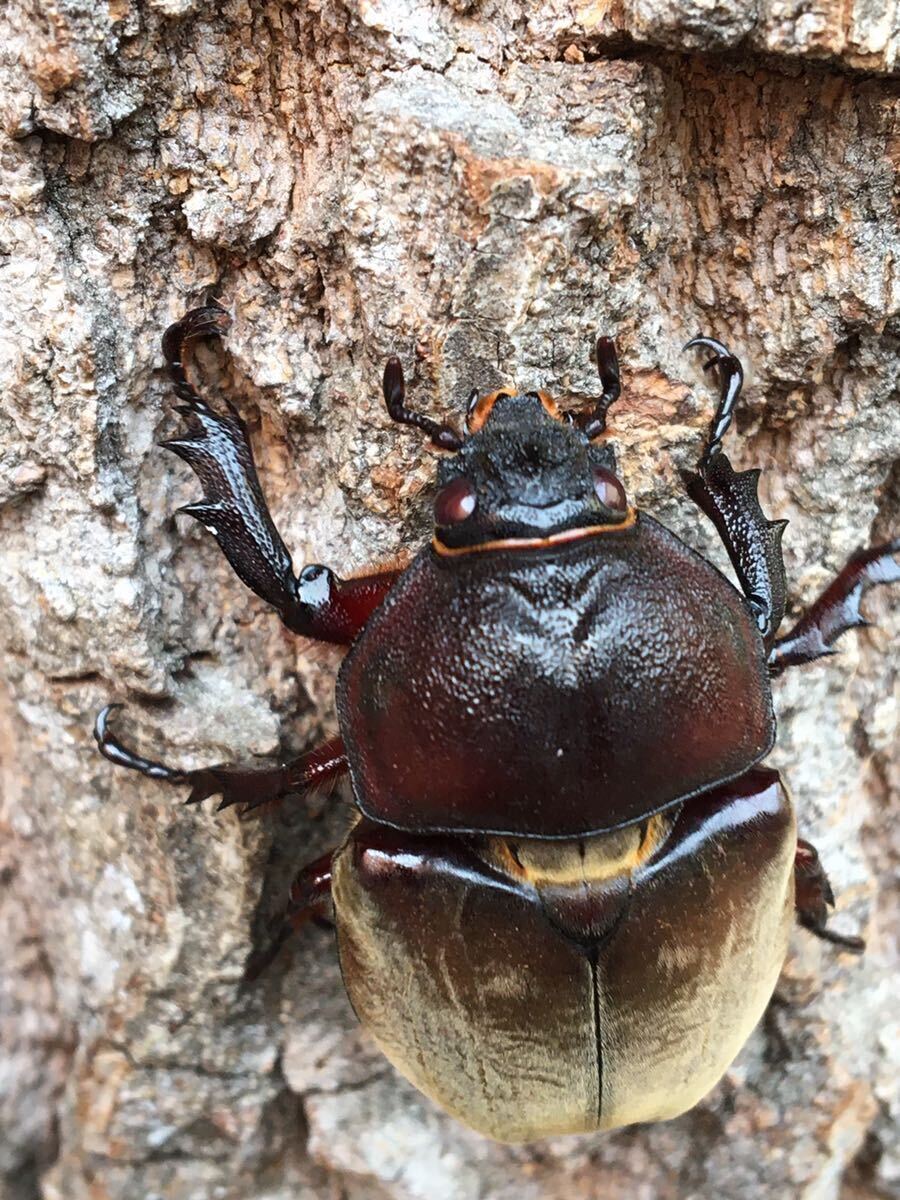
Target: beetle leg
{"type": "Point", "coordinates": [310, 896]}
{"type": "Point", "coordinates": [837, 609]}
{"type": "Point", "coordinates": [813, 898]}
{"type": "Point", "coordinates": [234, 510]}
{"type": "Point", "coordinates": [729, 498]}
{"type": "Point", "coordinates": [731, 375]}
{"type": "Point", "coordinates": [248, 785]}
{"type": "Point", "coordinates": [778, 1047]}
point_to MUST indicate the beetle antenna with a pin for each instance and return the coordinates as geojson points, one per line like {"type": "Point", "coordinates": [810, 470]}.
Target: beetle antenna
{"type": "Point", "coordinates": [394, 387]}
{"type": "Point", "coordinates": [593, 421]}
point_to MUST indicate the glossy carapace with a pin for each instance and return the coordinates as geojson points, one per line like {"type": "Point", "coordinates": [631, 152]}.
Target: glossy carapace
{"type": "Point", "coordinates": [567, 893]}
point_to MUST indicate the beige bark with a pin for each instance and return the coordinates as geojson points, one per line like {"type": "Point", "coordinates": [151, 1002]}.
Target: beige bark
{"type": "Point", "coordinates": [479, 187]}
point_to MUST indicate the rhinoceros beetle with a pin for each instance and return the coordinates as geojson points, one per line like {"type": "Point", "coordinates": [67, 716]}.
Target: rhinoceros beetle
{"type": "Point", "coordinates": [567, 892]}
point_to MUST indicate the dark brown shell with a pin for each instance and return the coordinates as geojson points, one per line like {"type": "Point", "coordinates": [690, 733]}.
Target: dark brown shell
{"type": "Point", "coordinates": [553, 693]}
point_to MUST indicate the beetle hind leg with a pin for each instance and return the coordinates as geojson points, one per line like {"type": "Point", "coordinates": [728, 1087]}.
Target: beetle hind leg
{"type": "Point", "coordinates": [250, 786]}
{"type": "Point", "coordinates": [310, 897]}
{"type": "Point", "coordinates": [814, 897]}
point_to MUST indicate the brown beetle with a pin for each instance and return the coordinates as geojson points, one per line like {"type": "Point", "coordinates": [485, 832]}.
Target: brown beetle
{"type": "Point", "coordinates": [567, 896]}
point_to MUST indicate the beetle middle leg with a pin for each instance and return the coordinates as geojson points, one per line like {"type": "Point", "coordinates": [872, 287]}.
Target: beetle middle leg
{"type": "Point", "coordinates": [316, 603]}
{"type": "Point", "coordinates": [813, 897]}
{"type": "Point", "coordinates": [837, 609]}
{"type": "Point", "coordinates": [249, 785]}
{"type": "Point", "coordinates": [729, 498]}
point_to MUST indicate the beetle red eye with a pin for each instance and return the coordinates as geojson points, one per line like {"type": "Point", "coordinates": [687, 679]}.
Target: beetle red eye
{"type": "Point", "coordinates": [455, 502]}
{"type": "Point", "coordinates": [609, 490]}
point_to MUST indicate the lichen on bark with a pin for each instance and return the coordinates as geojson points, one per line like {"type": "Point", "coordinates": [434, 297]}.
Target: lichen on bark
{"type": "Point", "coordinates": [478, 187]}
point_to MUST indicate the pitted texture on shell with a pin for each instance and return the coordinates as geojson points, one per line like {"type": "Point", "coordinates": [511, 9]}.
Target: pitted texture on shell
{"type": "Point", "coordinates": [553, 693]}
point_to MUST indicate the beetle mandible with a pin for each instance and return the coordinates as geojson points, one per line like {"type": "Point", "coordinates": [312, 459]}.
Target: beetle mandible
{"type": "Point", "coordinates": [566, 897]}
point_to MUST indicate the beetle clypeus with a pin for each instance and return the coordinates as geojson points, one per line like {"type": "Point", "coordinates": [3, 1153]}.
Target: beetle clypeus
{"type": "Point", "coordinates": [566, 897]}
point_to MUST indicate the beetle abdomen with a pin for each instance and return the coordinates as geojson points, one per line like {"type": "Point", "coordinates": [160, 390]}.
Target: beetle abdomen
{"type": "Point", "coordinates": [553, 694]}
{"type": "Point", "coordinates": [529, 1006]}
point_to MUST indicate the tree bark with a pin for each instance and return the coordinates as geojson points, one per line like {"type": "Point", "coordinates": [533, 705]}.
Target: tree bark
{"type": "Point", "coordinates": [478, 187]}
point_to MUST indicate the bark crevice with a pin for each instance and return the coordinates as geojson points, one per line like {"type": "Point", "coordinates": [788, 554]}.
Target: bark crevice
{"type": "Point", "coordinates": [480, 191]}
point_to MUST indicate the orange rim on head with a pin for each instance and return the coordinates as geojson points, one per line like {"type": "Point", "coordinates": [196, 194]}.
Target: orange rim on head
{"type": "Point", "coordinates": [482, 407]}
{"type": "Point", "coordinates": [555, 539]}
{"type": "Point", "coordinates": [481, 410]}
{"type": "Point", "coordinates": [550, 405]}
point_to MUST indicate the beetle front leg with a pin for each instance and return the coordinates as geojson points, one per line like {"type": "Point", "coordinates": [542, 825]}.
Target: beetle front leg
{"type": "Point", "coordinates": [233, 509]}
{"type": "Point", "coordinates": [813, 897]}
{"type": "Point", "coordinates": [837, 609]}
{"type": "Point", "coordinates": [729, 498]}
{"type": "Point", "coordinates": [248, 785]}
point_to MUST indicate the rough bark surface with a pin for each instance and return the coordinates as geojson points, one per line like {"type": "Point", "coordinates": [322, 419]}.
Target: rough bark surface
{"type": "Point", "coordinates": [477, 186]}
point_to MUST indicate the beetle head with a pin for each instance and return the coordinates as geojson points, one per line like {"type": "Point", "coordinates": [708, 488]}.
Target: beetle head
{"type": "Point", "coordinates": [525, 472]}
